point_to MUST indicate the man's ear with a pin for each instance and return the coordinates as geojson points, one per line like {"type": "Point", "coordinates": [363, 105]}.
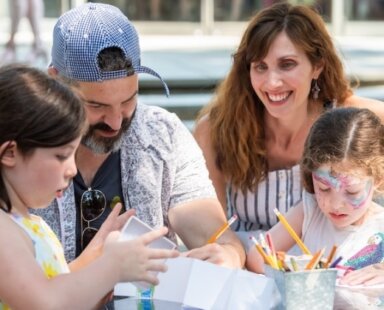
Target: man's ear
{"type": "Point", "coordinates": [52, 71]}
{"type": "Point", "coordinates": [8, 153]}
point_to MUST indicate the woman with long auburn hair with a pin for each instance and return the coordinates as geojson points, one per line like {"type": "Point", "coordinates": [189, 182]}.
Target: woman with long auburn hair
{"type": "Point", "coordinates": [286, 72]}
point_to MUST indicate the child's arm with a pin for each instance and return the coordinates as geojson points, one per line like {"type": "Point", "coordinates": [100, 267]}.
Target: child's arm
{"type": "Point", "coordinates": [370, 275]}
{"type": "Point", "coordinates": [23, 284]}
{"type": "Point", "coordinates": [281, 238]}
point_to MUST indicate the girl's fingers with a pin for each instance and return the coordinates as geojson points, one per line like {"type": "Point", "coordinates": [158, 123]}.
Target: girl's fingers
{"type": "Point", "coordinates": [151, 279]}
{"type": "Point", "coordinates": [153, 235]}
{"type": "Point", "coordinates": [109, 222]}
{"type": "Point", "coordinates": [115, 211]}
{"type": "Point", "coordinates": [357, 277]}
{"type": "Point", "coordinates": [161, 253]}
{"type": "Point", "coordinates": [374, 281]}
{"type": "Point", "coordinates": [157, 266]}
{"type": "Point", "coordinates": [123, 218]}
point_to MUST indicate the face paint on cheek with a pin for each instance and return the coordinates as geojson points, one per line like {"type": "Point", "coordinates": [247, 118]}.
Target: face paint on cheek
{"type": "Point", "coordinates": [357, 202]}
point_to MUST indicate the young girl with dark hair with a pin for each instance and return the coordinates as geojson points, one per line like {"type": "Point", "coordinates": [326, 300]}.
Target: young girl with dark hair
{"type": "Point", "coordinates": [41, 123]}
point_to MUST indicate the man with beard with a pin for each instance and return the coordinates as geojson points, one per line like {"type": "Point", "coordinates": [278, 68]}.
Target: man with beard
{"type": "Point", "coordinates": [141, 156]}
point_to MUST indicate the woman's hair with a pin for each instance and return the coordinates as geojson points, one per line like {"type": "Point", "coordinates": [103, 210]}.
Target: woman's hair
{"type": "Point", "coordinates": [236, 114]}
{"type": "Point", "coordinates": [345, 136]}
{"type": "Point", "coordinates": [36, 111]}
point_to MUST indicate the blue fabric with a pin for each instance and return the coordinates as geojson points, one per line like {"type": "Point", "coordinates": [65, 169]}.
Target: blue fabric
{"type": "Point", "coordinates": [83, 32]}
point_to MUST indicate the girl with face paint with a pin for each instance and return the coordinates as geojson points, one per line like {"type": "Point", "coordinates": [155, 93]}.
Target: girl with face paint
{"type": "Point", "coordinates": [342, 170]}
{"type": "Point", "coordinates": [343, 198]}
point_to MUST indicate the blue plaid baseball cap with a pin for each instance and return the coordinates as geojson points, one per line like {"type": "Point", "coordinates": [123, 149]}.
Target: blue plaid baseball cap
{"type": "Point", "coordinates": [83, 32]}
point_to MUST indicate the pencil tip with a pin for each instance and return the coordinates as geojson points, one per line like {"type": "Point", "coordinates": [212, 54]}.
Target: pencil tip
{"type": "Point", "coordinates": [253, 239]}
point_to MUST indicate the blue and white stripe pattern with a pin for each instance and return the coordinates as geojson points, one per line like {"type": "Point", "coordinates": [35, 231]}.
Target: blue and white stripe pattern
{"type": "Point", "coordinates": [281, 189]}
{"type": "Point", "coordinates": [83, 32]}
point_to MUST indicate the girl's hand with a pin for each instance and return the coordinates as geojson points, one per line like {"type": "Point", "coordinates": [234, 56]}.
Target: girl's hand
{"type": "Point", "coordinates": [370, 275]}
{"type": "Point", "coordinates": [114, 221]}
{"type": "Point", "coordinates": [136, 260]}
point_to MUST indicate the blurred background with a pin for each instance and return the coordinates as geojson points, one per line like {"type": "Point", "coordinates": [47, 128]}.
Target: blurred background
{"type": "Point", "coordinates": [189, 16]}
{"type": "Point", "coordinates": [190, 42]}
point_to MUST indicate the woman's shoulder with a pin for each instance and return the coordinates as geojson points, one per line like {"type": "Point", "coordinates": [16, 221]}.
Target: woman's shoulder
{"type": "Point", "coordinates": [202, 123]}
{"type": "Point", "coordinates": [374, 105]}
{"type": "Point", "coordinates": [202, 129]}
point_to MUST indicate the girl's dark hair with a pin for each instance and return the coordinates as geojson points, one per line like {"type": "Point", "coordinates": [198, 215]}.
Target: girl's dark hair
{"type": "Point", "coordinates": [351, 135]}
{"type": "Point", "coordinates": [36, 111]}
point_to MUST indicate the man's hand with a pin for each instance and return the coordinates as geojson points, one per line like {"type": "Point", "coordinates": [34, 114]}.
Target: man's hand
{"type": "Point", "coordinates": [195, 222]}
{"type": "Point", "coordinates": [220, 254]}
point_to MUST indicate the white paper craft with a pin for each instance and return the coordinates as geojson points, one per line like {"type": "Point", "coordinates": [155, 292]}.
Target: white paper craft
{"type": "Point", "coordinates": [205, 285]}
{"type": "Point", "coordinates": [131, 230]}
{"type": "Point", "coordinates": [199, 284]}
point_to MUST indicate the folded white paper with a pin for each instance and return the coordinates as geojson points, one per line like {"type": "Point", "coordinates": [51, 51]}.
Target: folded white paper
{"type": "Point", "coordinates": [135, 228]}
{"type": "Point", "coordinates": [203, 285]}
{"type": "Point", "coordinates": [199, 284]}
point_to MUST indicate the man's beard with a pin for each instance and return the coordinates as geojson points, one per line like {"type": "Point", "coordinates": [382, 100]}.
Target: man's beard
{"type": "Point", "coordinates": [104, 145]}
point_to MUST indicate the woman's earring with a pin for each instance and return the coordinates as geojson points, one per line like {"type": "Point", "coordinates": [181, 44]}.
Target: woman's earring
{"type": "Point", "coordinates": [315, 90]}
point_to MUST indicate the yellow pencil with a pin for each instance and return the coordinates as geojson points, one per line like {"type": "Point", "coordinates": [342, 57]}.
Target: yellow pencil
{"type": "Point", "coordinates": [330, 256]}
{"type": "Point", "coordinates": [281, 259]}
{"type": "Point", "coordinates": [222, 229]}
{"type": "Point", "coordinates": [292, 232]}
{"type": "Point", "coordinates": [267, 259]}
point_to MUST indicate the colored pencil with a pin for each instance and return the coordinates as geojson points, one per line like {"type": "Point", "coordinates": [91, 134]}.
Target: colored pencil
{"type": "Point", "coordinates": [271, 247]}
{"type": "Point", "coordinates": [292, 232]}
{"type": "Point", "coordinates": [335, 262]}
{"type": "Point", "coordinates": [315, 260]}
{"type": "Point", "coordinates": [266, 258]}
{"type": "Point", "coordinates": [330, 256]}
{"type": "Point", "coordinates": [222, 229]}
